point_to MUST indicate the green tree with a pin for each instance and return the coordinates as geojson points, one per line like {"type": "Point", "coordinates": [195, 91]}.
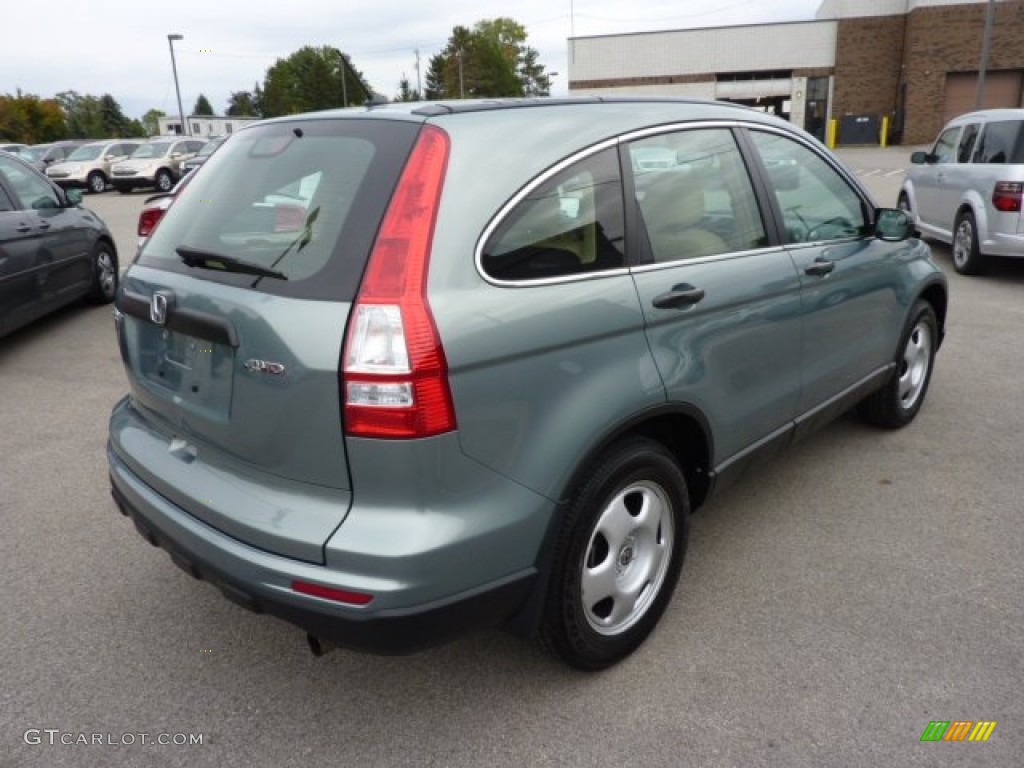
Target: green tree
{"type": "Point", "coordinates": [489, 60]}
{"type": "Point", "coordinates": [531, 73]}
{"type": "Point", "coordinates": [406, 92]}
{"type": "Point", "coordinates": [435, 85]}
{"type": "Point", "coordinates": [151, 122]}
{"type": "Point", "coordinates": [30, 119]}
{"type": "Point", "coordinates": [134, 129]}
{"type": "Point", "coordinates": [203, 107]}
{"type": "Point", "coordinates": [241, 104]}
{"type": "Point", "coordinates": [83, 114]}
{"type": "Point", "coordinates": [311, 79]}
{"type": "Point", "coordinates": [114, 123]}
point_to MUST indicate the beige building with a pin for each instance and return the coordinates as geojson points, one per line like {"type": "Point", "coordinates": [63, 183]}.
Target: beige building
{"type": "Point", "coordinates": [914, 63]}
{"type": "Point", "coordinates": [202, 125]}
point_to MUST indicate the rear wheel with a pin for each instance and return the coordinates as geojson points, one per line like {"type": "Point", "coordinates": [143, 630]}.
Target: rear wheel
{"type": "Point", "coordinates": [897, 403]}
{"type": "Point", "coordinates": [97, 182]}
{"type": "Point", "coordinates": [618, 557]}
{"type": "Point", "coordinates": [967, 258]}
{"type": "Point", "coordinates": [104, 274]}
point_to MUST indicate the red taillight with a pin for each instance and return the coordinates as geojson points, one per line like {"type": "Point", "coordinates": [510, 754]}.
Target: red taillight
{"type": "Point", "coordinates": [330, 593]}
{"type": "Point", "coordinates": [1006, 196]}
{"type": "Point", "coordinates": [394, 373]}
{"type": "Point", "coordinates": [148, 220]}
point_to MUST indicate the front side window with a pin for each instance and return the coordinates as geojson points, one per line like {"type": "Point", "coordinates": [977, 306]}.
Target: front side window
{"type": "Point", "coordinates": [1002, 142]}
{"type": "Point", "coordinates": [944, 150]}
{"type": "Point", "coordinates": [571, 224]}
{"type": "Point", "coordinates": [156, 149]}
{"type": "Point", "coordinates": [86, 152]}
{"type": "Point", "coordinates": [816, 202]}
{"type": "Point", "coordinates": [33, 191]}
{"type": "Point", "coordinates": [694, 195]}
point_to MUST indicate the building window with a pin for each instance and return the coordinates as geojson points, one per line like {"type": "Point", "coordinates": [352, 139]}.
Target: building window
{"type": "Point", "coordinates": [196, 129]}
{"type": "Point", "coordinates": [227, 127]}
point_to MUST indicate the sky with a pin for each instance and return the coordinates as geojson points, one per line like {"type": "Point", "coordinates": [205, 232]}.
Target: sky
{"type": "Point", "coordinates": [120, 47]}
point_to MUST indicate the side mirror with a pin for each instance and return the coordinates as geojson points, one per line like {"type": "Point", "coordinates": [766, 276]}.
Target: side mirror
{"type": "Point", "coordinates": [893, 225]}
{"type": "Point", "coordinates": [919, 158]}
{"type": "Point", "coordinates": [74, 196]}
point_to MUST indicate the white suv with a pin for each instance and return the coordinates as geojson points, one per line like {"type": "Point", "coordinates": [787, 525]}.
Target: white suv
{"type": "Point", "coordinates": [968, 190]}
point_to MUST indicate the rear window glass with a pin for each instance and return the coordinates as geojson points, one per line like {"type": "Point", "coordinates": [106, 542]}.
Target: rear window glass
{"type": "Point", "coordinates": [302, 199]}
{"type": "Point", "coordinates": [1001, 142]}
{"type": "Point", "coordinates": [572, 224]}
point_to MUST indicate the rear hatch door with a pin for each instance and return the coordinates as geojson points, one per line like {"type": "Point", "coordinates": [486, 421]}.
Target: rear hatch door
{"type": "Point", "coordinates": [232, 323]}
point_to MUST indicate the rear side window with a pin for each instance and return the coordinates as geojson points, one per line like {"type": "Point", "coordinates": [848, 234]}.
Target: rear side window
{"type": "Point", "coordinates": [571, 224]}
{"type": "Point", "coordinates": [694, 195]}
{"type": "Point", "coordinates": [303, 199]}
{"type": "Point", "coordinates": [1001, 142]}
{"type": "Point", "coordinates": [967, 140]}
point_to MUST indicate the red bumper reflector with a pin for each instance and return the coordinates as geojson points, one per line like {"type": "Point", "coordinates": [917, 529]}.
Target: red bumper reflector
{"type": "Point", "coordinates": [330, 593]}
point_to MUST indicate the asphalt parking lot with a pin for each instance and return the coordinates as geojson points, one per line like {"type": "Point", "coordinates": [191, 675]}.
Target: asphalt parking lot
{"type": "Point", "coordinates": [832, 604]}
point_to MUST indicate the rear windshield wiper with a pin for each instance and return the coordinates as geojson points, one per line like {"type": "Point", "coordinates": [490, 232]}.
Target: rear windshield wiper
{"type": "Point", "coordinates": [193, 257]}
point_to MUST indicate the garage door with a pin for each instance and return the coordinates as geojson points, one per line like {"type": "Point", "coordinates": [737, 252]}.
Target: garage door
{"type": "Point", "coordinates": [1002, 89]}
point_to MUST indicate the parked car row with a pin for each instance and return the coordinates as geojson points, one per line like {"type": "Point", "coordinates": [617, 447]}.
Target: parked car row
{"type": "Point", "coordinates": [125, 164]}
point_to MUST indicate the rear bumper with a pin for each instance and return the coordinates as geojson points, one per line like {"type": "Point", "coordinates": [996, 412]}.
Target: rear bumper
{"type": "Point", "coordinates": [1000, 244]}
{"type": "Point", "coordinates": [261, 582]}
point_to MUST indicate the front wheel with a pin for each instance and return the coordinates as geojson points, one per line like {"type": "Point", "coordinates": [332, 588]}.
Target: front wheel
{"type": "Point", "coordinates": [164, 182]}
{"type": "Point", "coordinates": [618, 556]}
{"type": "Point", "coordinates": [97, 182]}
{"type": "Point", "coordinates": [897, 403]}
{"type": "Point", "coordinates": [104, 274]}
{"type": "Point", "coordinates": [967, 258]}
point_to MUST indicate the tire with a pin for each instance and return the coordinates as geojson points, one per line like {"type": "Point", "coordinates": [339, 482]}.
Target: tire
{"type": "Point", "coordinates": [618, 556]}
{"type": "Point", "coordinates": [163, 181]}
{"type": "Point", "coordinates": [104, 274]}
{"type": "Point", "coordinates": [96, 183]}
{"type": "Point", "coordinates": [896, 404]}
{"type": "Point", "coordinates": [967, 258]}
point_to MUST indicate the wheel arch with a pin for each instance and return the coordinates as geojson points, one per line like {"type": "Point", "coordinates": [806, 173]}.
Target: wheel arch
{"type": "Point", "coordinates": [974, 204]}
{"type": "Point", "coordinates": [109, 242]}
{"type": "Point", "coordinates": [682, 429]}
{"type": "Point", "coordinates": [938, 297]}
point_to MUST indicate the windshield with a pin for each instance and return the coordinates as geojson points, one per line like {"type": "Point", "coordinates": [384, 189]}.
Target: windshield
{"type": "Point", "coordinates": [209, 147]}
{"type": "Point", "coordinates": [156, 149]}
{"type": "Point", "coordinates": [88, 152]}
{"type": "Point", "coordinates": [302, 200]}
{"type": "Point", "coordinates": [33, 153]}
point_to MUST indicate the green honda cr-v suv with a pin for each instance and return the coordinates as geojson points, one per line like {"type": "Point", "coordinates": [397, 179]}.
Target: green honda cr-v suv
{"type": "Point", "coordinates": [404, 371]}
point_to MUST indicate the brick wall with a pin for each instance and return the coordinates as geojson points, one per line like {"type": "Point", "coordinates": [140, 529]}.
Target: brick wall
{"type": "Point", "coordinates": [869, 53]}
{"type": "Point", "coordinates": [948, 39]}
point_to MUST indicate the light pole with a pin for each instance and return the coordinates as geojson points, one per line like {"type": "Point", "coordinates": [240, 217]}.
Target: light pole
{"type": "Point", "coordinates": [181, 112]}
{"type": "Point", "coordinates": [986, 45]}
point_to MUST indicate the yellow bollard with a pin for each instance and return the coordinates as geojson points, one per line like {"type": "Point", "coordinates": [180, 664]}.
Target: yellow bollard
{"type": "Point", "coordinates": [884, 138]}
{"type": "Point", "coordinates": [830, 133]}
